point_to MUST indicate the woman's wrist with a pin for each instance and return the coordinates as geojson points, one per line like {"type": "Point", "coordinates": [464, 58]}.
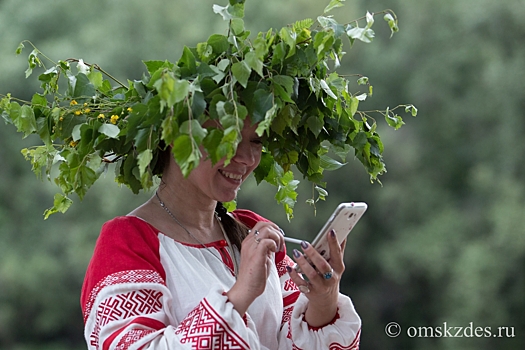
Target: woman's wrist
{"type": "Point", "coordinates": [239, 299]}
{"type": "Point", "coordinates": [319, 316]}
{"type": "Point", "coordinates": [319, 326]}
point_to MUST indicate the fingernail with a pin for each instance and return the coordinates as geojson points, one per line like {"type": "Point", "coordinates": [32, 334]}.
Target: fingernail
{"type": "Point", "coordinates": [296, 253]}
{"type": "Point", "coordinates": [332, 233]}
{"type": "Point", "coordinates": [304, 244]}
{"type": "Point", "coordinates": [289, 268]}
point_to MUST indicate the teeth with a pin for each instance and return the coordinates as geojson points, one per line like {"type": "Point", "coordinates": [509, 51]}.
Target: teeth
{"type": "Point", "coordinates": [231, 176]}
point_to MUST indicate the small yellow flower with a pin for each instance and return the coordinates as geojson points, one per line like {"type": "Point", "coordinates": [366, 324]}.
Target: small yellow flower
{"type": "Point", "coordinates": [101, 116]}
{"type": "Point", "coordinates": [114, 119]}
{"type": "Point", "coordinates": [73, 143]}
{"type": "Point", "coordinates": [61, 119]}
{"type": "Point", "coordinates": [73, 103]}
{"type": "Point", "coordinates": [130, 109]}
{"type": "Point", "coordinates": [87, 110]}
{"type": "Point", "coordinates": [78, 112]}
{"type": "Point", "coordinates": [85, 104]}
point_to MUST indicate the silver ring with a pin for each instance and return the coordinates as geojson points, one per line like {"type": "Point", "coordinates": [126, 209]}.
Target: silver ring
{"type": "Point", "coordinates": [329, 274]}
{"type": "Point", "coordinates": [256, 234]}
{"type": "Point", "coordinates": [304, 289]}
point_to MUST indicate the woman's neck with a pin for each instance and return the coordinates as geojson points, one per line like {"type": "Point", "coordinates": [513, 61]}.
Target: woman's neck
{"type": "Point", "coordinates": [192, 212]}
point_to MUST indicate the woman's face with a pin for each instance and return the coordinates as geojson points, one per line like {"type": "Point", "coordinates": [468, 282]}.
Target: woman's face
{"type": "Point", "coordinates": [220, 182]}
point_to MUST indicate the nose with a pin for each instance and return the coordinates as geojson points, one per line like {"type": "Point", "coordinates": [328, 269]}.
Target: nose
{"type": "Point", "coordinates": [246, 154]}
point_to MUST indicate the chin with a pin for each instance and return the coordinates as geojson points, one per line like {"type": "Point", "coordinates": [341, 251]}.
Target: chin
{"type": "Point", "coordinates": [227, 197]}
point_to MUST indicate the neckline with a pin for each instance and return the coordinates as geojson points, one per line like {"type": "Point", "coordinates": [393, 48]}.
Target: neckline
{"type": "Point", "coordinates": [221, 243]}
{"type": "Point", "coordinates": [225, 256]}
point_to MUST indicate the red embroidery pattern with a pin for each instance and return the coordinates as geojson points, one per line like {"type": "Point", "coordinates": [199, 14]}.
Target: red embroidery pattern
{"type": "Point", "coordinates": [290, 286]}
{"type": "Point", "coordinates": [132, 337]}
{"type": "Point", "coordinates": [353, 346]}
{"type": "Point", "coordinates": [281, 266]}
{"type": "Point", "coordinates": [333, 346]}
{"type": "Point", "coordinates": [131, 276]}
{"type": "Point", "coordinates": [287, 315]}
{"type": "Point", "coordinates": [122, 306]}
{"type": "Point", "coordinates": [205, 329]}
{"type": "Point", "coordinates": [336, 346]}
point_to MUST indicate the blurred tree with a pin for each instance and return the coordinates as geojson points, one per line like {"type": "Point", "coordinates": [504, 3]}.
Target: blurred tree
{"type": "Point", "coordinates": [445, 234]}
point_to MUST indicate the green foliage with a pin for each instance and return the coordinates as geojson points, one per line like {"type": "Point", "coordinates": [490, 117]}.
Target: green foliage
{"type": "Point", "coordinates": [281, 80]}
{"type": "Point", "coordinates": [443, 238]}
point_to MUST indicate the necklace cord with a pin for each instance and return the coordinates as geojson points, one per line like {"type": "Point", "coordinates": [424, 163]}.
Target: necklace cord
{"type": "Point", "coordinates": [217, 217]}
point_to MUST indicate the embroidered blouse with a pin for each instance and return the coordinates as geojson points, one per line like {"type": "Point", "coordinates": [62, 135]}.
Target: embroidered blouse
{"type": "Point", "coordinates": [144, 290]}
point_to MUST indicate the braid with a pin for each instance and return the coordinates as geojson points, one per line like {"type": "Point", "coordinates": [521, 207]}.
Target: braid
{"type": "Point", "coordinates": [235, 230]}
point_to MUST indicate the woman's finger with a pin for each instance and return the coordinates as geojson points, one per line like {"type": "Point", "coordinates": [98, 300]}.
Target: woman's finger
{"type": "Point", "coordinates": [336, 252]}
{"type": "Point", "coordinates": [296, 278]}
{"type": "Point", "coordinates": [322, 267]}
{"type": "Point", "coordinates": [307, 267]}
{"type": "Point", "coordinates": [266, 230]}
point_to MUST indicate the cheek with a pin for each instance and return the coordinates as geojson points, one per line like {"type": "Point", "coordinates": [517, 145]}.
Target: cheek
{"type": "Point", "coordinates": [202, 171]}
{"type": "Point", "coordinates": [257, 157]}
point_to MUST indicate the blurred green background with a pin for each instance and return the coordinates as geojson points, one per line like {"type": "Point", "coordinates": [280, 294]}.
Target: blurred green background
{"type": "Point", "coordinates": [444, 237]}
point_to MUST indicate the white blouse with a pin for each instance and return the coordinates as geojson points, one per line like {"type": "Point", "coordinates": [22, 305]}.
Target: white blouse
{"type": "Point", "coordinates": [144, 290]}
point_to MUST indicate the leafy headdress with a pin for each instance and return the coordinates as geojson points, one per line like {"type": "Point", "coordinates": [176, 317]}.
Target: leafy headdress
{"type": "Point", "coordinates": [284, 80]}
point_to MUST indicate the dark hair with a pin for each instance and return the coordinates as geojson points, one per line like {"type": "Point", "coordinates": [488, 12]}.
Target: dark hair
{"type": "Point", "coordinates": [161, 159]}
{"type": "Point", "coordinates": [235, 229]}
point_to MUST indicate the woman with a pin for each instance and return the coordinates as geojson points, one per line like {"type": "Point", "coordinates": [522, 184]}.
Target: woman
{"type": "Point", "coordinates": [180, 273]}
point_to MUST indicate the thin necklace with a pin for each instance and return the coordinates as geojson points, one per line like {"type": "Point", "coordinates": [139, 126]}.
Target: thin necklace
{"type": "Point", "coordinates": [235, 266]}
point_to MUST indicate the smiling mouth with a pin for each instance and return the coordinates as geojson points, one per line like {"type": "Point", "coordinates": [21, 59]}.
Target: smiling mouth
{"type": "Point", "coordinates": [231, 176]}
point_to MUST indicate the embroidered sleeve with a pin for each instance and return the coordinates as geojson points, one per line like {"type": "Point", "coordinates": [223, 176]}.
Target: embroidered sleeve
{"type": "Point", "coordinates": [343, 333]}
{"type": "Point", "coordinates": [125, 308]}
{"type": "Point", "coordinates": [126, 302]}
{"type": "Point", "coordinates": [214, 324]}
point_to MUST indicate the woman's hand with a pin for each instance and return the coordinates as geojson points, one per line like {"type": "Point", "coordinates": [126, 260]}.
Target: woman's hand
{"type": "Point", "coordinates": [321, 285]}
{"type": "Point", "coordinates": [258, 248]}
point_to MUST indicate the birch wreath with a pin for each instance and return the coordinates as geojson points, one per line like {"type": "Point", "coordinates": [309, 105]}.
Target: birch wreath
{"type": "Point", "coordinates": [285, 80]}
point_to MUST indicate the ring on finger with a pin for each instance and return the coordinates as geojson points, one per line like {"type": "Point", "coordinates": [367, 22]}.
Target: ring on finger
{"type": "Point", "coordinates": [329, 274]}
{"type": "Point", "coordinates": [256, 234]}
{"type": "Point", "coordinates": [304, 289]}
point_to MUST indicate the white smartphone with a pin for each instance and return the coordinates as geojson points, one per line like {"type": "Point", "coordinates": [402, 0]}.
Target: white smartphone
{"type": "Point", "coordinates": [342, 221]}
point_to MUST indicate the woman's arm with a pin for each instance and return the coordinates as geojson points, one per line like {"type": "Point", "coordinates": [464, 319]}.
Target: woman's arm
{"type": "Point", "coordinates": [126, 300]}
{"type": "Point", "coordinates": [321, 318]}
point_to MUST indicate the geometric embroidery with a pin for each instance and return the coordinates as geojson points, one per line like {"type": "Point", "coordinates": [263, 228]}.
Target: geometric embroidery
{"type": "Point", "coordinates": [203, 328]}
{"type": "Point", "coordinates": [281, 266]}
{"type": "Point", "coordinates": [122, 306]}
{"type": "Point", "coordinates": [130, 276]}
{"type": "Point", "coordinates": [132, 337]}
{"type": "Point", "coordinates": [287, 315]}
{"type": "Point", "coordinates": [289, 285]}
